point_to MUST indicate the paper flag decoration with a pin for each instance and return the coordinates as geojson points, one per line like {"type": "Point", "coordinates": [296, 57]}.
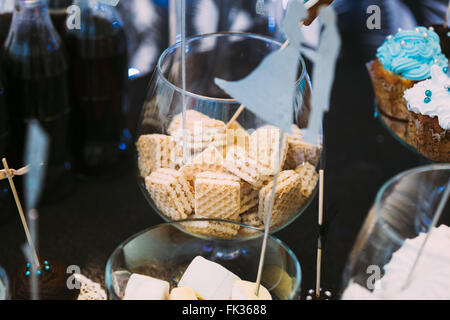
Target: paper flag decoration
{"type": "Point", "coordinates": [35, 157]}
{"type": "Point", "coordinates": [324, 59]}
{"type": "Point", "coordinates": [269, 90]}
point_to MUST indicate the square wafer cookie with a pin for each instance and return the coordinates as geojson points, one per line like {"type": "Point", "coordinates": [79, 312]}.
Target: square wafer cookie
{"type": "Point", "coordinates": [265, 147]}
{"type": "Point", "coordinates": [251, 218]}
{"type": "Point", "coordinates": [236, 135]}
{"type": "Point", "coordinates": [171, 193]}
{"type": "Point", "coordinates": [299, 151]}
{"type": "Point", "coordinates": [217, 195]}
{"type": "Point", "coordinates": [249, 197]}
{"type": "Point", "coordinates": [208, 160]}
{"type": "Point", "coordinates": [157, 151]}
{"type": "Point", "coordinates": [309, 178]}
{"type": "Point", "coordinates": [288, 198]}
{"type": "Point", "coordinates": [201, 131]}
{"type": "Point", "coordinates": [212, 228]}
{"type": "Point", "coordinates": [239, 163]}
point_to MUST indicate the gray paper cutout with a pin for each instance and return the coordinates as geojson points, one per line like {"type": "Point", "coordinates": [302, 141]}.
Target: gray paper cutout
{"type": "Point", "coordinates": [269, 90]}
{"type": "Point", "coordinates": [36, 150]}
{"type": "Point", "coordinates": [324, 60]}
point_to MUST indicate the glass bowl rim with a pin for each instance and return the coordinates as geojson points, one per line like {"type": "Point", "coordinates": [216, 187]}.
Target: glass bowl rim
{"type": "Point", "coordinates": [298, 269]}
{"type": "Point", "coordinates": [172, 48]}
{"type": "Point", "coordinates": [399, 176]}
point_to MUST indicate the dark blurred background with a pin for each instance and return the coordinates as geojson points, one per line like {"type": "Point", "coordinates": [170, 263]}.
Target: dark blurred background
{"type": "Point", "coordinates": [83, 225]}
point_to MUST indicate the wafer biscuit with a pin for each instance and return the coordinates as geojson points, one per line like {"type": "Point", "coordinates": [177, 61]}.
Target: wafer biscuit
{"type": "Point", "coordinates": [251, 218]}
{"type": "Point", "coordinates": [217, 195]}
{"type": "Point", "coordinates": [249, 197]}
{"type": "Point", "coordinates": [208, 160]}
{"type": "Point", "coordinates": [299, 151]}
{"type": "Point", "coordinates": [157, 151]}
{"type": "Point", "coordinates": [236, 136]}
{"type": "Point", "coordinates": [171, 192]}
{"type": "Point", "coordinates": [201, 131]}
{"type": "Point", "coordinates": [287, 200]}
{"type": "Point", "coordinates": [265, 147]}
{"type": "Point", "coordinates": [213, 228]}
{"type": "Point", "coordinates": [250, 170]}
{"type": "Point", "coordinates": [309, 178]}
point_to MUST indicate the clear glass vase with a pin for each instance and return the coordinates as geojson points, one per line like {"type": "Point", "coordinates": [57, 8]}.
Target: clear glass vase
{"type": "Point", "coordinates": [391, 237]}
{"type": "Point", "coordinates": [229, 56]}
{"type": "Point", "coordinates": [164, 251]}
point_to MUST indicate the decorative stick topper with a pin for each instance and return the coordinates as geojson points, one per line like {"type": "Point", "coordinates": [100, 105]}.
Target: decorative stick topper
{"type": "Point", "coordinates": [35, 157]}
{"type": "Point", "coordinates": [324, 60]}
{"type": "Point", "coordinates": [270, 89]}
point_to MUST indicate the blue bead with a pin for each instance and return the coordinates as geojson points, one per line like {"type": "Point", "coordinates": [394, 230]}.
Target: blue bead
{"type": "Point", "coordinates": [28, 265]}
{"type": "Point", "coordinates": [428, 93]}
{"type": "Point", "coordinates": [427, 100]}
{"type": "Point", "coordinates": [445, 69]}
{"type": "Point", "coordinates": [27, 273]}
{"type": "Point", "coordinates": [47, 267]}
{"type": "Point", "coordinates": [45, 262]}
{"type": "Point", "coordinates": [39, 272]}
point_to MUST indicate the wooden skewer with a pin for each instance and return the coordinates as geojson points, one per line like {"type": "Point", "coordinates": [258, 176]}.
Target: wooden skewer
{"type": "Point", "coordinates": [319, 247]}
{"type": "Point", "coordinates": [447, 15]}
{"type": "Point", "coordinates": [19, 208]}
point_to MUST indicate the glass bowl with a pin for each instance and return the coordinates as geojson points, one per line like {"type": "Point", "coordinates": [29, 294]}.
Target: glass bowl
{"type": "Point", "coordinates": [164, 251]}
{"type": "Point", "coordinates": [392, 234]}
{"type": "Point", "coordinates": [4, 285]}
{"type": "Point", "coordinates": [214, 146]}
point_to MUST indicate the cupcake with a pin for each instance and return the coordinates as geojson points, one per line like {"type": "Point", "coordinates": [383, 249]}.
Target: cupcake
{"type": "Point", "coordinates": [429, 115]}
{"type": "Point", "coordinates": [403, 60]}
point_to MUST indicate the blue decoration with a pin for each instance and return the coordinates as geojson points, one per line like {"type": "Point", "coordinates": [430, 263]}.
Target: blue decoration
{"type": "Point", "coordinates": [427, 100]}
{"type": "Point", "coordinates": [47, 267]}
{"type": "Point", "coordinates": [46, 262]}
{"type": "Point", "coordinates": [445, 69]}
{"type": "Point", "coordinates": [28, 266]}
{"type": "Point", "coordinates": [39, 272]}
{"type": "Point", "coordinates": [428, 93]}
{"type": "Point", "coordinates": [27, 273]}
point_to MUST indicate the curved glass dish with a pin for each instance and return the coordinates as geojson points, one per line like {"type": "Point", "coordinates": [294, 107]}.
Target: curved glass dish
{"type": "Point", "coordinates": [164, 252]}
{"type": "Point", "coordinates": [404, 208]}
{"type": "Point", "coordinates": [209, 138]}
{"type": "Point", "coordinates": [399, 130]}
{"type": "Point", "coordinates": [4, 285]}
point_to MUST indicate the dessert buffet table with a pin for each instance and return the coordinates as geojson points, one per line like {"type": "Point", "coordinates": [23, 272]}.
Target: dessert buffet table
{"type": "Point", "coordinates": [85, 227]}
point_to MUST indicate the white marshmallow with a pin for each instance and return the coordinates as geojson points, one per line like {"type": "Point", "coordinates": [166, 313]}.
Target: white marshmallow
{"type": "Point", "coordinates": [209, 280]}
{"type": "Point", "coordinates": [245, 290]}
{"type": "Point", "coordinates": [182, 293]}
{"type": "Point", "coordinates": [140, 287]}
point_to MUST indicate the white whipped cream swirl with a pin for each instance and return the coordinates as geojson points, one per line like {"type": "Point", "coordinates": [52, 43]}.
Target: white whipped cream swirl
{"type": "Point", "coordinates": [439, 101]}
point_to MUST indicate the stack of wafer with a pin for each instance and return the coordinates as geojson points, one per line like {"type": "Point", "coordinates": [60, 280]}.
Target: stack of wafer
{"type": "Point", "coordinates": [157, 151]}
{"type": "Point", "coordinates": [201, 131]}
{"type": "Point", "coordinates": [230, 175]}
{"type": "Point", "coordinates": [299, 152]}
{"type": "Point", "coordinates": [171, 193]}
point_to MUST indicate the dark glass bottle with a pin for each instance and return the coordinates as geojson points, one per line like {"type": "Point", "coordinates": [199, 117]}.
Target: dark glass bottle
{"type": "Point", "coordinates": [36, 79]}
{"type": "Point", "coordinates": [6, 200]}
{"type": "Point", "coordinates": [58, 13]}
{"type": "Point", "coordinates": [99, 70]}
{"type": "Point", "coordinates": [6, 10]}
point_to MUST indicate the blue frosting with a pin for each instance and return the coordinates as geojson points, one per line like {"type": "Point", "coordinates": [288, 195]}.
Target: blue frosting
{"type": "Point", "coordinates": [411, 53]}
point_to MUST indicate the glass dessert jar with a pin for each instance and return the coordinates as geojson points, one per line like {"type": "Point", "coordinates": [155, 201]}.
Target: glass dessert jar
{"type": "Point", "coordinates": [225, 168]}
{"type": "Point", "coordinates": [164, 252]}
{"type": "Point", "coordinates": [392, 236]}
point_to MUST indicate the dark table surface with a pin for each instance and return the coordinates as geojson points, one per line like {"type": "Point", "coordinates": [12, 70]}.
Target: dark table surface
{"type": "Point", "coordinates": [84, 228]}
